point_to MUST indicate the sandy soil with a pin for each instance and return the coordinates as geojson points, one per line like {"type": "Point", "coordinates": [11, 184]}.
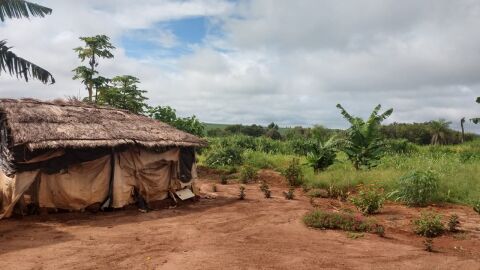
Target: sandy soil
{"type": "Point", "coordinates": [220, 232]}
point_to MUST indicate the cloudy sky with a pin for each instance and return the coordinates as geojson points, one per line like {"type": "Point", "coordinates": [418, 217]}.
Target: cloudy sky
{"type": "Point", "coordinates": [260, 61]}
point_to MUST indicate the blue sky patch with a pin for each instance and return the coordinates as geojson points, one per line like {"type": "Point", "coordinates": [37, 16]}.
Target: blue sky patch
{"type": "Point", "coordinates": [168, 39]}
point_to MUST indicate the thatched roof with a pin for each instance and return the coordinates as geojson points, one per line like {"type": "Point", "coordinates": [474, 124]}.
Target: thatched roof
{"type": "Point", "coordinates": [49, 125]}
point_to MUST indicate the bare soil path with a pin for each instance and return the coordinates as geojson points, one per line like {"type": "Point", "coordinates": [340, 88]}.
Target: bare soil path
{"type": "Point", "coordinates": [222, 232]}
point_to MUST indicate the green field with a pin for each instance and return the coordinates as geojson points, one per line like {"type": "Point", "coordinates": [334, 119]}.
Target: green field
{"type": "Point", "coordinates": [457, 167]}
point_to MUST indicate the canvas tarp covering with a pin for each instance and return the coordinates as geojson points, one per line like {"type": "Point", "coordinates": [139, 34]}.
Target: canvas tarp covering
{"type": "Point", "coordinates": [153, 174]}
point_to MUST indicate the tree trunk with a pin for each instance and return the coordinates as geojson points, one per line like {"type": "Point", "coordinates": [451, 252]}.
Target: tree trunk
{"type": "Point", "coordinates": [90, 92]}
{"type": "Point", "coordinates": [463, 131]}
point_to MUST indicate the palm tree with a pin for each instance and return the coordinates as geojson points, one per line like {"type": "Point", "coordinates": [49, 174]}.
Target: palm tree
{"type": "Point", "coordinates": [9, 61]}
{"type": "Point", "coordinates": [439, 130]}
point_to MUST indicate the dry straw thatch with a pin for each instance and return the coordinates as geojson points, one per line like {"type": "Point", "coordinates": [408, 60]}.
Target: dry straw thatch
{"type": "Point", "coordinates": [38, 125]}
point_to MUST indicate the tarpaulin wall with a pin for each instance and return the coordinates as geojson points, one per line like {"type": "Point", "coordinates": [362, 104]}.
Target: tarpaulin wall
{"type": "Point", "coordinates": [153, 174]}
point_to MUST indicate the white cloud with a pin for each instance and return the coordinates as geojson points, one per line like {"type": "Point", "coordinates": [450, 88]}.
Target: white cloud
{"type": "Point", "coordinates": [283, 61]}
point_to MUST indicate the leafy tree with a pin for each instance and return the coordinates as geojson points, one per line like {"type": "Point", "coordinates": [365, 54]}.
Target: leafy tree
{"type": "Point", "coordinates": [95, 47]}
{"type": "Point", "coordinates": [363, 144]}
{"type": "Point", "coordinates": [121, 92]}
{"type": "Point", "coordinates": [272, 126]}
{"type": "Point", "coordinates": [168, 115]}
{"type": "Point", "coordinates": [323, 154]}
{"type": "Point", "coordinates": [272, 132]}
{"type": "Point", "coordinates": [9, 61]}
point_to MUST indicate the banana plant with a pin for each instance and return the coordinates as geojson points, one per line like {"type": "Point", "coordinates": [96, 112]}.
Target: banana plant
{"type": "Point", "coordinates": [323, 154]}
{"type": "Point", "coordinates": [363, 144]}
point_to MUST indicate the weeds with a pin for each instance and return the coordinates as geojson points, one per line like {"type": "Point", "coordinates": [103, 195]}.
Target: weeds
{"type": "Point", "coordinates": [293, 173]}
{"type": "Point", "coordinates": [247, 174]}
{"type": "Point", "coordinates": [429, 224]}
{"type": "Point", "coordinates": [355, 235]}
{"type": "Point", "coordinates": [453, 223]}
{"type": "Point", "coordinates": [342, 221]}
{"type": "Point", "coordinates": [290, 194]}
{"type": "Point", "coordinates": [224, 156]}
{"type": "Point", "coordinates": [223, 179]}
{"type": "Point", "coordinates": [337, 192]}
{"type": "Point", "coordinates": [242, 195]}
{"type": "Point", "coordinates": [266, 190]}
{"type": "Point", "coordinates": [476, 206]}
{"type": "Point", "coordinates": [318, 193]}
{"type": "Point", "coordinates": [428, 243]}
{"type": "Point", "coordinates": [417, 188]}
{"type": "Point", "coordinates": [369, 200]}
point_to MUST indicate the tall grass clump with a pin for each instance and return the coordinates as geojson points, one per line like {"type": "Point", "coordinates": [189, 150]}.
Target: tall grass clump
{"type": "Point", "coordinates": [417, 188]}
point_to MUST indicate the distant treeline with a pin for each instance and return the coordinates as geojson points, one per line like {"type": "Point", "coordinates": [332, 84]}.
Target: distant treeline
{"type": "Point", "coordinates": [432, 132]}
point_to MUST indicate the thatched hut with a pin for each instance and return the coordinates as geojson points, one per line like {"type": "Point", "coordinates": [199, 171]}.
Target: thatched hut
{"type": "Point", "coordinates": [72, 155]}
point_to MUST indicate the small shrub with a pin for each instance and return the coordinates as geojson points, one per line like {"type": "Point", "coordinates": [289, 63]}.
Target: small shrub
{"type": "Point", "coordinates": [417, 188]}
{"type": "Point", "coordinates": [476, 206]}
{"type": "Point", "coordinates": [214, 188]}
{"type": "Point", "coordinates": [266, 190]}
{"type": "Point", "coordinates": [453, 223]}
{"type": "Point", "coordinates": [290, 194]}
{"type": "Point", "coordinates": [242, 195]}
{"type": "Point", "coordinates": [428, 243]}
{"type": "Point", "coordinates": [223, 179]}
{"type": "Point", "coordinates": [247, 174]}
{"type": "Point", "coordinates": [293, 173]}
{"type": "Point", "coordinates": [341, 221]}
{"type": "Point", "coordinates": [429, 224]}
{"type": "Point", "coordinates": [369, 200]}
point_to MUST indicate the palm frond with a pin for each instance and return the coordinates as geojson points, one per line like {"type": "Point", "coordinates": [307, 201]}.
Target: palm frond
{"type": "Point", "coordinates": [21, 9]}
{"type": "Point", "coordinates": [21, 68]}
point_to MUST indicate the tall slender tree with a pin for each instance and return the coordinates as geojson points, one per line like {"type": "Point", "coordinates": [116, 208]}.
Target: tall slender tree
{"type": "Point", "coordinates": [462, 121]}
{"type": "Point", "coordinates": [9, 61]}
{"type": "Point", "coordinates": [95, 47]}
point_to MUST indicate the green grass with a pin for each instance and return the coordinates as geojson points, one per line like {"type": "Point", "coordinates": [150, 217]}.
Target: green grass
{"type": "Point", "coordinates": [458, 169]}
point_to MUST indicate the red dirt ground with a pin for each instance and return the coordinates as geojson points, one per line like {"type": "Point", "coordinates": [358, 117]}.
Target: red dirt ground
{"type": "Point", "coordinates": [221, 232]}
